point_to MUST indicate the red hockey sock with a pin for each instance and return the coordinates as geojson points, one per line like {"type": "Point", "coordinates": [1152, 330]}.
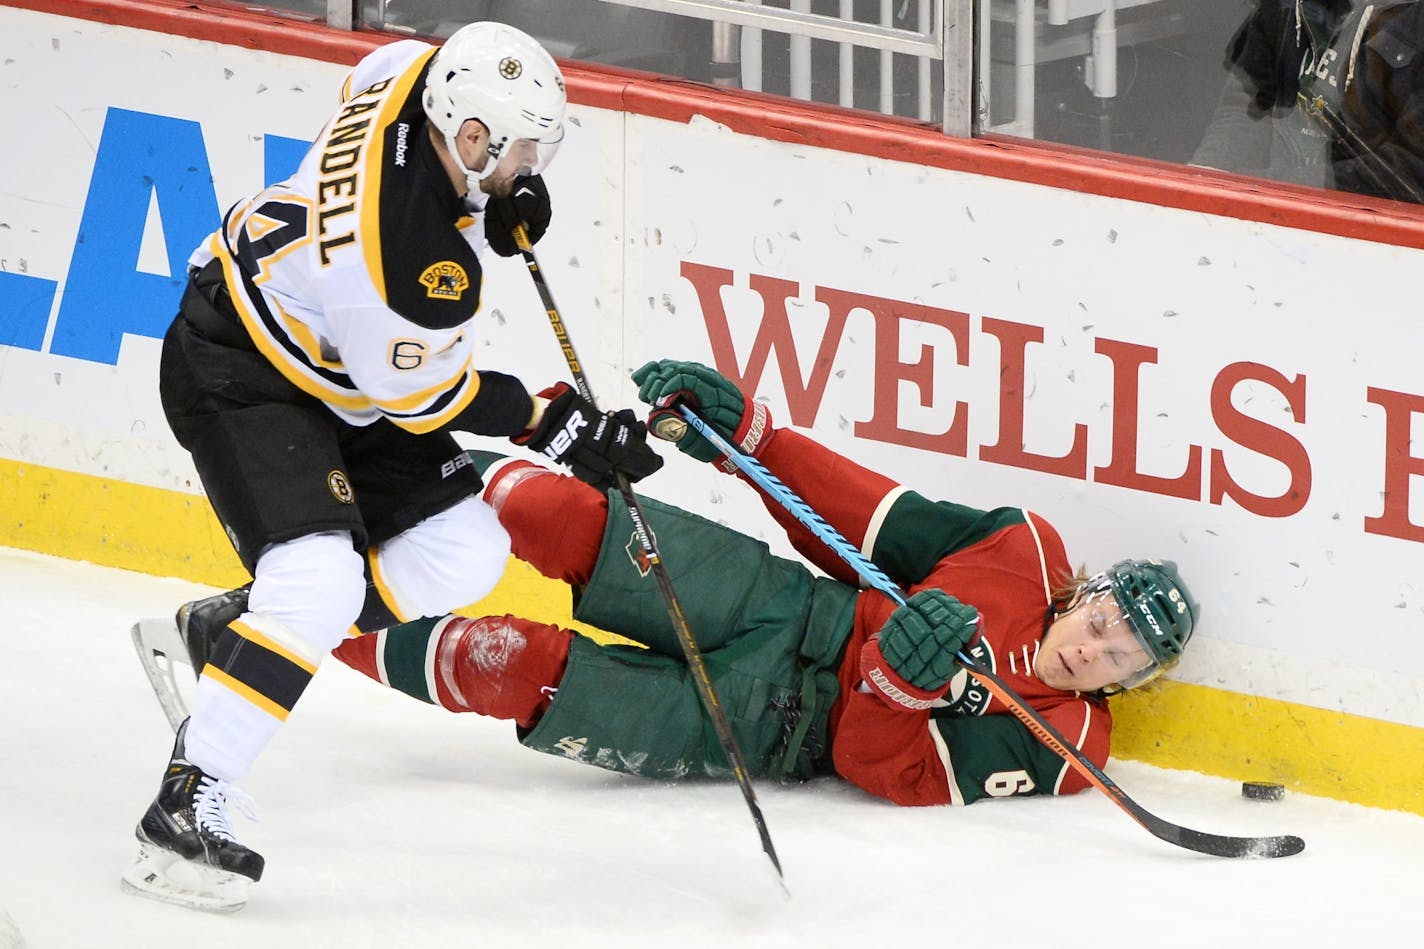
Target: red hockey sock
{"type": "Point", "coordinates": [555, 521]}
{"type": "Point", "coordinates": [500, 666]}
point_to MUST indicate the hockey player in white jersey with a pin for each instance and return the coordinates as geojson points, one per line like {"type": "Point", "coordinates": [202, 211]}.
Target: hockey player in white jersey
{"type": "Point", "coordinates": [323, 352]}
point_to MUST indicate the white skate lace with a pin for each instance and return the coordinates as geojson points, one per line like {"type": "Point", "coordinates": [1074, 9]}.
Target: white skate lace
{"type": "Point", "coordinates": [209, 809]}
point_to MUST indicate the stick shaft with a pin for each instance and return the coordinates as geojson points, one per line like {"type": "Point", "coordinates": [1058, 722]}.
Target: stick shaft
{"type": "Point", "coordinates": [1042, 730]}
{"type": "Point", "coordinates": [691, 653]}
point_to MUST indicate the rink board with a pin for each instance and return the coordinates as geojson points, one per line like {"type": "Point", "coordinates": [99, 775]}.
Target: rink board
{"type": "Point", "coordinates": [1160, 362]}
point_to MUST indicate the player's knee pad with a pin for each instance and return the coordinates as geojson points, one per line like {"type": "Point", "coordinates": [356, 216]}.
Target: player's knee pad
{"type": "Point", "coordinates": [443, 563]}
{"type": "Point", "coordinates": [501, 666]}
{"type": "Point", "coordinates": [310, 588]}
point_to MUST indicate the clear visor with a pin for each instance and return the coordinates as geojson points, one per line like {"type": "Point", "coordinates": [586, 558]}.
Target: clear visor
{"type": "Point", "coordinates": [528, 156]}
{"type": "Point", "coordinates": [1123, 649]}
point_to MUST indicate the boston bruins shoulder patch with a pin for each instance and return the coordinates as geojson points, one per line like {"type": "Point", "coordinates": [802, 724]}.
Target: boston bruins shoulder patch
{"type": "Point", "coordinates": [445, 280]}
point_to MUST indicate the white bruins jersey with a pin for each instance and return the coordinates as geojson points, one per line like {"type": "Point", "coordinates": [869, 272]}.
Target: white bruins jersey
{"type": "Point", "coordinates": [358, 277]}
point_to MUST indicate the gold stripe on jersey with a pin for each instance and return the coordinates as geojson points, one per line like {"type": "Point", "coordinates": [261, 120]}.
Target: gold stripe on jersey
{"type": "Point", "coordinates": [233, 223]}
{"type": "Point", "coordinates": [441, 390]}
{"type": "Point", "coordinates": [437, 416]}
{"type": "Point", "coordinates": [282, 352]}
{"type": "Point", "coordinates": [343, 214]}
{"type": "Point", "coordinates": [370, 224]}
{"type": "Point", "coordinates": [303, 337]}
{"type": "Point", "coordinates": [342, 164]}
{"type": "Point", "coordinates": [449, 397]}
{"type": "Point", "coordinates": [295, 351]}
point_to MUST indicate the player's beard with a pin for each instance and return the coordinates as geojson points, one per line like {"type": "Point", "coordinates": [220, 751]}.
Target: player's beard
{"type": "Point", "coordinates": [498, 184]}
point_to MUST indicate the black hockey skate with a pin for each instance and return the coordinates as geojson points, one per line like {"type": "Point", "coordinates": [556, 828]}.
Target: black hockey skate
{"type": "Point", "coordinates": [201, 622]}
{"type": "Point", "coordinates": [186, 851]}
{"type": "Point", "coordinates": [188, 637]}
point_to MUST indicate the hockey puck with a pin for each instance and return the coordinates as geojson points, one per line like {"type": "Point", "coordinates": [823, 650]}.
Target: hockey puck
{"type": "Point", "coordinates": [1262, 791]}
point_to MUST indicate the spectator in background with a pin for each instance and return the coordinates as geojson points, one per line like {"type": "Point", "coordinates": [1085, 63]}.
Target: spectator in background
{"type": "Point", "coordinates": [1377, 126]}
{"type": "Point", "coordinates": [1322, 92]}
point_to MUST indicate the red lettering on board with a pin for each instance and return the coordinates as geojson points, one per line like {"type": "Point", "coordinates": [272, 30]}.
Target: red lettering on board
{"type": "Point", "coordinates": [1009, 449]}
{"type": "Point", "coordinates": [1259, 437]}
{"type": "Point", "coordinates": [1121, 469]}
{"type": "Point", "coordinates": [1399, 465]}
{"type": "Point", "coordinates": [894, 376]}
{"type": "Point", "coordinates": [803, 398]}
{"type": "Point", "coordinates": [890, 317]}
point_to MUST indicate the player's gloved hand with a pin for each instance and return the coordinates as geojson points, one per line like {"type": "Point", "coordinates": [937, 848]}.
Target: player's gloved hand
{"type": "Point", "coordinates": [595, 445]}
{"type": "Point", "coordinates": [910, 661]}
{"type": "Point", "coordinates": [528, 202]}
{"type": "Point", "coordinates": [665, 383]}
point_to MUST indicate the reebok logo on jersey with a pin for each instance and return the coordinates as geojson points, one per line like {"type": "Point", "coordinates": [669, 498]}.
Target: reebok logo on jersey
{"type": "Point", "coordinates": [444, 280]}
{"type": "Point", "coordinates": [401, 130]}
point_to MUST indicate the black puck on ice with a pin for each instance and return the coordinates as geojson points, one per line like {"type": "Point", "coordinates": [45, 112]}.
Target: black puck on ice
{"type": "Point", "coordinates": [1262, 791]}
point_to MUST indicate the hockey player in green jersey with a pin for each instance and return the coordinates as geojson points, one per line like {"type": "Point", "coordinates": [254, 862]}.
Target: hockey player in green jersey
{"type": "Point", "coordinates": [816, 675]}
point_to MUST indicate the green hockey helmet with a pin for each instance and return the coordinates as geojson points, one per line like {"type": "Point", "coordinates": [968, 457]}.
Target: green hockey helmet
{"type": "Point", "coordinates": [1158, 608]}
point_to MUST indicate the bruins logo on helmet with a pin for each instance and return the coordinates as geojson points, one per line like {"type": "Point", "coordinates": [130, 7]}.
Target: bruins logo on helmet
{"type": "Point", "coordinates": [510, 68]}
{"type": "Point", "coordinates": [445, 280]}
{"type": "Point", "coordinates": [340, 487]}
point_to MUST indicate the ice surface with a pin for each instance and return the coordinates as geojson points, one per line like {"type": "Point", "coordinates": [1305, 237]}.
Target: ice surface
{"type": "Point", "coordinates": [391, 823]}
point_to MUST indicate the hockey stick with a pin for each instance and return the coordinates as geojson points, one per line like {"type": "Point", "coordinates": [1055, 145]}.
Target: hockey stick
{"type": "Point", "coordinates": [1214, 844]}
{"type": "Point", "coordinates": [690, 651]}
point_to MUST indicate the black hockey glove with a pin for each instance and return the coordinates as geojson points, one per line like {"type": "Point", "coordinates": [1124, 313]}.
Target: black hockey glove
{"type": "Point", "coordinates": [595, 445]}
{"type": "Point", "coordinates": [528, 202]}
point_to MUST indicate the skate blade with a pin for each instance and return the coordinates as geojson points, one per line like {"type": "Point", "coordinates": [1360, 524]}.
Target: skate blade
{"type": "Point", "coordinates": [162, 875]}
{"type": "Point", "coordinates": [160, 648]}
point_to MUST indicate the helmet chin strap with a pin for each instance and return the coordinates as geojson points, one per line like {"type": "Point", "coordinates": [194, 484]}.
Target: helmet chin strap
{"type": "Point", "coordinates": [472, 178]}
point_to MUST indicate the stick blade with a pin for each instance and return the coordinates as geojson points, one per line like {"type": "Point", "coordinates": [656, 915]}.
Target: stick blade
{"type": "Point", "coordinates": [1218, 845]}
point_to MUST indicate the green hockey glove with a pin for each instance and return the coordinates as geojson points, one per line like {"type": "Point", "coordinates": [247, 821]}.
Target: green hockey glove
{"type": "Point", "coordinates": [664, 384]}
{"type": "Point", "coordinates": [913, 657]}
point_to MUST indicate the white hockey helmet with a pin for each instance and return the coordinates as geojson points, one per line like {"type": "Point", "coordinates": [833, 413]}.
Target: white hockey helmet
{"type": "Point", "coordinates": [502, 77]}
